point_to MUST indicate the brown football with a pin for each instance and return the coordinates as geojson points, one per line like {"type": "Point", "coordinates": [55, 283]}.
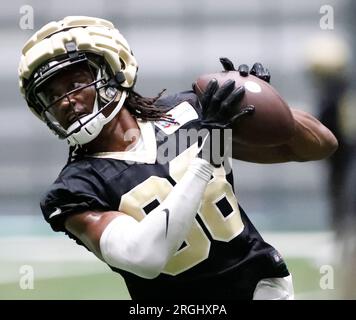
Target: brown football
{"type": "Point", "coordinates": [272, 122]}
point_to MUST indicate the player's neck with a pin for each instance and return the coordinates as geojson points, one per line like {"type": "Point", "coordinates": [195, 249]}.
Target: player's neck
{"type": "Point", "coordinates": [120, 134]}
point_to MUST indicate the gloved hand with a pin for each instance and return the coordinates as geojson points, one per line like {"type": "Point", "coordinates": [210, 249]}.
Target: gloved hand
{"type": "Point", "coordinates": [219, 112]}
{"type": "Point", "coordinates": [257, 69]}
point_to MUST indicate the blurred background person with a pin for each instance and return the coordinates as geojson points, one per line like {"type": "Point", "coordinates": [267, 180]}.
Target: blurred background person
{"type": "Point", "coordinates": [329, 65]}
{"type": "Point", "coordinates": [348, 262]}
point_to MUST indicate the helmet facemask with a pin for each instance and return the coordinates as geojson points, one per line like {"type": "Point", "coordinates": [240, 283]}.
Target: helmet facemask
{"type": "Point", "coordinates": [107, 94]}
{"type": "Point", "coordinates": [77, 40]}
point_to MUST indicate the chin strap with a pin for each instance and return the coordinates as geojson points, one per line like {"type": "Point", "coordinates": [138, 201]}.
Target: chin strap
{"type": "Point", "coordinates": [93, 127]}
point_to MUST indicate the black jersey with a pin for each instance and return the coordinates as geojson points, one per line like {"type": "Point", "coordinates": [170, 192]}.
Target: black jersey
{"type": "Point", "coordinates": [223, 256]}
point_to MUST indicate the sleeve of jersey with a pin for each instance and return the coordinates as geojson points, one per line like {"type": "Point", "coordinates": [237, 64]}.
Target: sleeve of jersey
{"type": "Point", "coordinates": [194, 101]}
{"type": "Point", "coordinates": [175, 99]}
{"type": "Point", "coordinates": [73, 194]}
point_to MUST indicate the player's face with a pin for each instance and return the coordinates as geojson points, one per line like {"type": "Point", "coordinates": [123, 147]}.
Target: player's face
{"type": "Point", "coordinates": [70, 102]}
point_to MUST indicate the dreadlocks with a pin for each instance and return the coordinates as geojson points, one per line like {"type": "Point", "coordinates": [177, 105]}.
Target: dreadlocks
{"type": "Point", "coordinates": [142, 108]}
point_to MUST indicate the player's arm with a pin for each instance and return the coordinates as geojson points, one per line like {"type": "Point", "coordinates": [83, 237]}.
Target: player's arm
{"type": "Point", "coordinates": [144, 247]}
{"type": "Point", "coordinates": [304, 137]}
{"type": "Point", "coordinates": [311, 141]}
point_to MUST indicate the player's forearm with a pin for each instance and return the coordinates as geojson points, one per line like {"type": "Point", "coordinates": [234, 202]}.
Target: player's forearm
{"type": "Point", "coordinates": [311, 140]}
{"type": "Point", "coordinates": [145, 247]}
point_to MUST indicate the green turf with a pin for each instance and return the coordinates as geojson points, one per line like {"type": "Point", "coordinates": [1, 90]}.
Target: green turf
{"type": "Point", "coordinates": [305, 275]}
{"type": "Point", "coordinates": [96, 286]}
{"type": "Point", "coordinates": [108, 285]}
{"type": "Point", "coordinates": [306, 280]}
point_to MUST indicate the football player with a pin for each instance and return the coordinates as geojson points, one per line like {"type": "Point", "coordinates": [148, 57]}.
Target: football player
{"type": "Point", "coordinates": [168, 222]}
